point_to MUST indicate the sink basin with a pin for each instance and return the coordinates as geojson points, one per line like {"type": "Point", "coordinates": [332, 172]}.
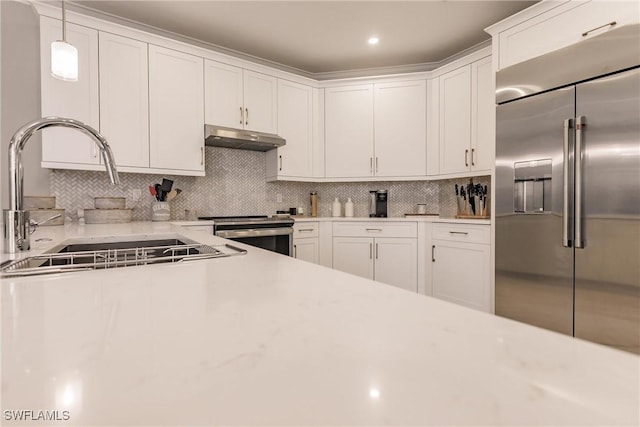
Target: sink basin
{"type": "Point", "coordinates": [111, 254]}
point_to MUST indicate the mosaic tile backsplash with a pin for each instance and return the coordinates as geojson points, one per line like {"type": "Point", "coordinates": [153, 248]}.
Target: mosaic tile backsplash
{"type": "Point", "coordinates": [235, 185]}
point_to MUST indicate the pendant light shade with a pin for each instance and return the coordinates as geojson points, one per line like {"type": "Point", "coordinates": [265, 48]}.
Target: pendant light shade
{"type": "Point", "coordinates": [64, 61]}
{"type": "Point", "coordinates": [64, 56]}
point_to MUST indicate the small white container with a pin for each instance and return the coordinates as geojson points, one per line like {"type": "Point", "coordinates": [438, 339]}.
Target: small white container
{"type": "Point", "coordinates": [336, 208]}
{"type": "Point", "coordinates": [422, 208]}
{"type": "Point", "coordinates": [348, 208]}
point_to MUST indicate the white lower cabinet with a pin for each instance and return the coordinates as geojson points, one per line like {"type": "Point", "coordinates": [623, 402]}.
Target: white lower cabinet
{"type": "Point", "coordinates": [306, 242]}
{"type": "Point", "coordinates": [383, 258]}
{"type": "Point", "coordinates": [353, 255]}
{"type": "Point", "coordinates": [460, 257]}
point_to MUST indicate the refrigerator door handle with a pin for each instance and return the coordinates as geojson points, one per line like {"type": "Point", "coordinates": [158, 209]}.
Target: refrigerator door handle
{"type": "Point", "coordinates": [566, 241]}
{"type": "Point", "coordinates": [581, 122]}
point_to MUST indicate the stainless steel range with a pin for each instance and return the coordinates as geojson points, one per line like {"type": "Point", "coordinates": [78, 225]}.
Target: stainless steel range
{"type": "Point", "coordinates": [270, 233]}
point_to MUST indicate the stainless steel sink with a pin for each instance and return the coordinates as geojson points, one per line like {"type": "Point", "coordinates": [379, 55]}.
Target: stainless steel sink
{"type": "Point", "coordinates": [77, 256]}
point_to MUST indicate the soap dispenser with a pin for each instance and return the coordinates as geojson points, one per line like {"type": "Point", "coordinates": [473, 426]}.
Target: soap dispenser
{"type": "Point", "coordinates": [336, 208]}
{"type": "Point", "coordinates": [348, 208]}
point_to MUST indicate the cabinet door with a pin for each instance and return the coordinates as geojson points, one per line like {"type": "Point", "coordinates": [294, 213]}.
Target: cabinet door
{"type": "Point", "coordinates": [401, 129]}
{"type": "Point", "coordinates": [306, 249]}
{"type": "Point", "coordinates": [223, 95]}
{"type": "Point", "coordinates": [295, 116]}
{"type": "Point", "coordinates": [349, 131]}
{"type": "Point", "coordinates": [483, 115]}
{"type": "Point", "coordinates": [260, 102]}
{"type": "Point", "coordinates": [461, 273]}
{"type": "Point", "coordinates": [353, 255]}
{"type": "Point", "coordinates": [396, 262]}
{"type": "Point", "coordinates": [176, 109]}
{"type": "Point", "coordinates": [455, 120]}
{"type": "Point", "coordinates": [124, 98]}
{"type": "Point", "coordinates": [75, 100]}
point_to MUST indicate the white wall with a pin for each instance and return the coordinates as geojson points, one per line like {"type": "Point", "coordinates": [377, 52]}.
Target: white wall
{"type": "Point", "coordinates": [20, 93]}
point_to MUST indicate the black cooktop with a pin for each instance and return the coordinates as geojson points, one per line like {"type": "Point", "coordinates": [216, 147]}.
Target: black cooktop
{"type": "Point", "coordinates": [249, 220]}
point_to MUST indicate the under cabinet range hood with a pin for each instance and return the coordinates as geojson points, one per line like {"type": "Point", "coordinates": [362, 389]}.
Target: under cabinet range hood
{"type": "Point", "coordinates": [218, 136]}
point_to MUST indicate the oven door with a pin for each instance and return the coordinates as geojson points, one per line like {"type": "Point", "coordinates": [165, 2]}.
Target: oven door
{"type": "Point", "coordinates": [279, 239]}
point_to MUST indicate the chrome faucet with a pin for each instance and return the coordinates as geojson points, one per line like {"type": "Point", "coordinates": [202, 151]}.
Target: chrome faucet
{"type": "Point", "coordinates": [17, 227]}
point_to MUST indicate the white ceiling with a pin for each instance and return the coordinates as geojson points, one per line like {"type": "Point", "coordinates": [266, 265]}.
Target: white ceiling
{"type": "Point", "coordinates": [324, 37]}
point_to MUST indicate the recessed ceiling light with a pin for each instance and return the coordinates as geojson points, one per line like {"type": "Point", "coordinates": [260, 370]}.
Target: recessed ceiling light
{"type": "Point", "coordinates": [373, 40]}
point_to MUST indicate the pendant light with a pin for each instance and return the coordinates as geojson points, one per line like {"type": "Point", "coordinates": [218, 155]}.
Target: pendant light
{"type": "Point", "coordinates": [64, 56]}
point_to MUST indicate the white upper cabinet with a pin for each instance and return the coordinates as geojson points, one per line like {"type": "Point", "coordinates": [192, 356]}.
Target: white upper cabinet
{"type": "Point", "coordinates": [176, 109]}
{"type": "Point", "coordinates": [349, 131]}
{"type": "Point", "coordinates": [483, 115]}
{"type": "Point", "coordinates": [400, 129]}
{"type": "Point", "coordinates": [376, 130]}
{"type": "Point", "coordinates": [76, 100]}
{"type": "Point", "coordinates": [455, 120]}
{"type": "Point", "coordinates": [223, 95]}
{"type": "Point", "coordinates": [240, 99]}
{"type": "Point", "coordinates": [295, 125]}
{"type": "Point", "coordinates": [124, 99]}
{"type": "Point", "coordinates": [260, 102]}
{"type": "Point", "coordinates": [466, 119]}
{"type": "Point", "coordinates": [548, 26]}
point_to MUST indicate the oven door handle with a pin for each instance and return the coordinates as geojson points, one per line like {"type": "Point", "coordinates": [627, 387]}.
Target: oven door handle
{"type": "Point", "coordinates": [254, 232]}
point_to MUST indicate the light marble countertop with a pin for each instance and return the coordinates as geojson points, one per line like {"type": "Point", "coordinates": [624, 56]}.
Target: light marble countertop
{"type": "Point", "coordinates": [264, 339]}
{"type": "Point", "coordinates": [427, 218]}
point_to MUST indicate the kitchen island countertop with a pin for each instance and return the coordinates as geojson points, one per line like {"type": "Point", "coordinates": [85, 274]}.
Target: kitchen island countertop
{"type": "Point", "coordinates": [264, 339]}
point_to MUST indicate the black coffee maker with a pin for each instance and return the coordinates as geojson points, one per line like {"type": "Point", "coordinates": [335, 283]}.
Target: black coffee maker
{"type": "Point", "coordinates": [378, 203]}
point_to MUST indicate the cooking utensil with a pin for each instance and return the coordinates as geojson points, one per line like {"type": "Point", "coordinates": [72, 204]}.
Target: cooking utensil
{"type": "Point", "coordinates": [159, 195]}
{"type": "Point", "coordinates": [167, 184]}
{"type": "Point", "coordinates": [171, 195]}
{"type": "Point", "coordinates": [152, 190]}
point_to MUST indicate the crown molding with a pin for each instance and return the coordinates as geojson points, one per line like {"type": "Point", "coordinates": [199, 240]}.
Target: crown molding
{"type": "Point", "coordinates": [320, 76]}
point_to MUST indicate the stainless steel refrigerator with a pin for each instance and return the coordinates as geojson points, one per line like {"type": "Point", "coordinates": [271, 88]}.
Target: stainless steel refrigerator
{"type": "Point", "coordinates": [567, 211]}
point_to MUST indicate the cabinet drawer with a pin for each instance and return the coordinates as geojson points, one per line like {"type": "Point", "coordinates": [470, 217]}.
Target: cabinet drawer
{"type": "Point", "coordinates": [567, 22]}
{"type": "Point", "coordinates": [375, 229]}
{"type": "Point", "coordinates": [462, 233]}
{"type": "Point", "coordinates": [305, 229]}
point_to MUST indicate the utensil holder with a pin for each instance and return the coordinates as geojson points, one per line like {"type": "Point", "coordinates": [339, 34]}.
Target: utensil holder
{"type": "Point", "coordinates": [160, 211]}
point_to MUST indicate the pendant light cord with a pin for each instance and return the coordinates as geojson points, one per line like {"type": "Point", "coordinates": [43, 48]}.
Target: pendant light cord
{"type": "Point", "coordinates": [64, 23]}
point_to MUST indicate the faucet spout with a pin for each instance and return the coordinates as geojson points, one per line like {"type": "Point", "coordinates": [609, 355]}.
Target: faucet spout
{"type": "Point", "coordinates": [16, 221]}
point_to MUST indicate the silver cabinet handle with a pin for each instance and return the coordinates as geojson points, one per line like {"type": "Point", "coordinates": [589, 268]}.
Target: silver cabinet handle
{"type": "Point", "coordinates": [201, 156]}
{"type": "Point", "coordinates": [610, 24]}
{"type": "Point", "coordinates": [580, 124]}
{"type": "Point", "coordinates": [370, 250]}
{"type": "Point", "coordinates": [433, 253]}
{"type": "Point", "coordinates": [246, 116]}
{"type": "Point", "coordinates": [295, 251]}
{"type": "Point", "coordinates": [377, 230]}
{"type": "Point", "coordinates": [568, 125]}
{"type": "Point", "coordinates": [280, 158]}
{"type": "Point", "coordinates": [473, 162]}
{"type": "Point", "coordinates": [305, 230]}
{"type": "Point", "coordinates": [370, 164]}
{"type": "Point", "coordinates": [376, 164]}
{"type": "Point", "coordinates": [376, 251]}
{"type": "Point", "coordinates": [241, 115]}
{"type": "Point", "coordinates": [459, 232]}
{"type": "Point", "coordinates": [466, 157]}
{"type": "Point", "coordinates": [95, 150]}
